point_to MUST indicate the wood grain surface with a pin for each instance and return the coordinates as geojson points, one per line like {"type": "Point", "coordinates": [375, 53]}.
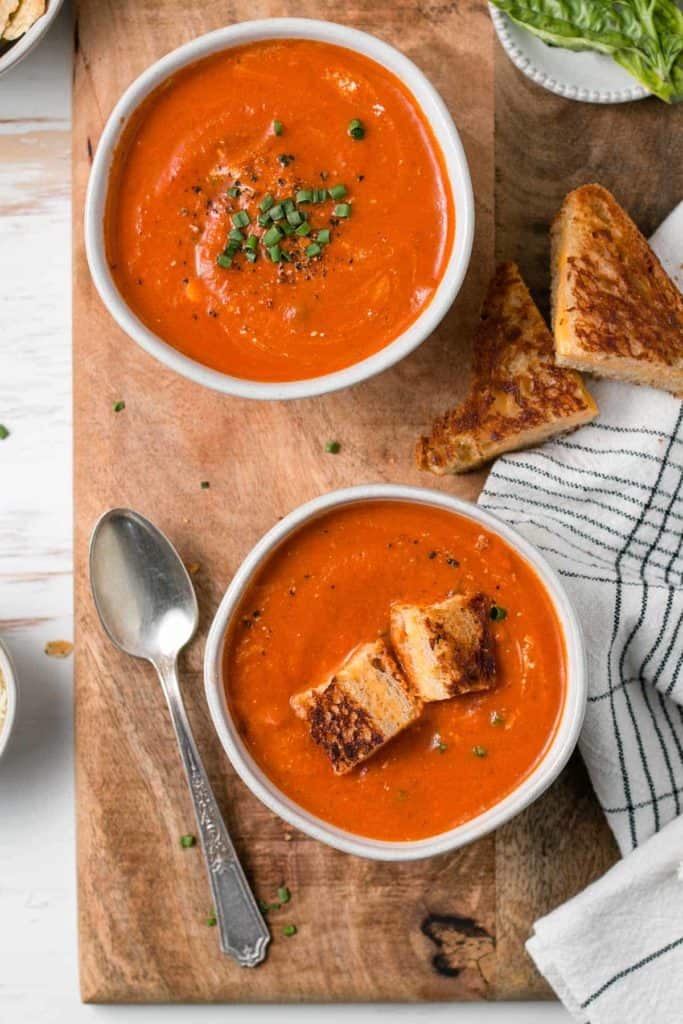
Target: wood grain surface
{"type": "Point", "coordinates": [447, 929]}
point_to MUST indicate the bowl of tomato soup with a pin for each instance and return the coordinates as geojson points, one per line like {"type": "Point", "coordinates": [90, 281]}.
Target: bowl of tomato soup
{"type": "Point", "coordinates": [280, 209]}
{"type": "Point", "coordinates": [320, 583]}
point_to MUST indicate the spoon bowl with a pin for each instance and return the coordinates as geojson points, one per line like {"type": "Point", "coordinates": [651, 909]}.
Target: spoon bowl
{"type": "Point", "coordinates": [142, 590]}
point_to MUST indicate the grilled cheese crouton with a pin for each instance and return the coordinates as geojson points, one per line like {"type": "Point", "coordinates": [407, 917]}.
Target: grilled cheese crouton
{"type": "Point", "coordinates": [361, 707]}
{"type": "Point", "coordinates": [518, 396]}
{"type": "Point", "coordinates": [445, 649]}
{"type": "Point", "coordinates": [616, 312]}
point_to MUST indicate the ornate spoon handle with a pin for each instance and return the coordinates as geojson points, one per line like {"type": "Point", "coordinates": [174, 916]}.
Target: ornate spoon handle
{"type": "Point", "coordinates": [244, 934]}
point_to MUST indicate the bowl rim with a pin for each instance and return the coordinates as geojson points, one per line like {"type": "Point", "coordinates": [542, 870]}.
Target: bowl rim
{"type": "Point", "coordinates": [445, 132]}
{"type": "Point", "coordinates": [21, 47]}
{"type": "Point", "coordinates": [10, 677]}
{"type": "Point", "coordinates": [542, 775]}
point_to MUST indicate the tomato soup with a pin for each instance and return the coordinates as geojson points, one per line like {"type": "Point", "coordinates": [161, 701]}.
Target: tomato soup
{"type": "Point", "coordinates": [279, 211]}
{"type": "Point", "coordinates": [327, 589]}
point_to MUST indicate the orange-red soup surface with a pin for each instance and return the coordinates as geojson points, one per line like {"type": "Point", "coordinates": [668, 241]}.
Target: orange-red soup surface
{"type": "Point", "coordinates": [211, 128]}
{"type": "Point", "coordinates": [327, 589]}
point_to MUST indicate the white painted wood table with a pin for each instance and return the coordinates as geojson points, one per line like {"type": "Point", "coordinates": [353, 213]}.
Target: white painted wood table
{"type": "Point", "coordinates": [38, 972]}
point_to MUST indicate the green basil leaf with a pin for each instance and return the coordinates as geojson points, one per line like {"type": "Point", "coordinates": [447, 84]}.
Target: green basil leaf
{"type": "Point", "coordinates": [644, 36]}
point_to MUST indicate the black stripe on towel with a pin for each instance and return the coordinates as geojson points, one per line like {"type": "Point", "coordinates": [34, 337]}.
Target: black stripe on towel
{"type": "Point", "coordinates": [635, 430]}
{"type": "Point", "coordinates": [631, 637]}
{"type": "Point", "coordinates": [620, 451]}
{"type": "Point", "coordinates": [650, 958]}
{"type": "Point", "coordinates": [615, 633]}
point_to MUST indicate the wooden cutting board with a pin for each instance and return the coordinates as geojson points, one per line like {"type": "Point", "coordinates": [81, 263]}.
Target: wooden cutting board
{"type": "Point", "coordinates": [366, 931]}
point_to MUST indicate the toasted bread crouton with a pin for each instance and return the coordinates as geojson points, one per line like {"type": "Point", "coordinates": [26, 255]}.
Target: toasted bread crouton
{"type": "Point", "coordinates": [518, 396]}
{"type": "Point", "coordinates": [445, 649]}
{"type": "Point", "coordinates": [361, 707]}
{"type": "Point", "coordinates": [616, 312]}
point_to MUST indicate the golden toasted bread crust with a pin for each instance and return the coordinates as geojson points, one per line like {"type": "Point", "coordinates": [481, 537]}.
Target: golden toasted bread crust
{"type": "Point", "coordinates": [342, 727]}
{"type": "Point", "coordinates": [615, 310]}
{"type": "Point", "coordinates": [518, 397]}
{"type": "Point", "coordinates": [363, 705]}
{"type": "Point", "coordinates": [446, 649]}
{"type": "Point", "coordinates": [462, 643]}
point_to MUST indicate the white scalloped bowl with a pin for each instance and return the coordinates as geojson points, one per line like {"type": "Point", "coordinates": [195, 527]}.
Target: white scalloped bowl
{"type": "Point", "coordinates": [529, 789]}
{"type": "Point", "coordinates": [583, 76]}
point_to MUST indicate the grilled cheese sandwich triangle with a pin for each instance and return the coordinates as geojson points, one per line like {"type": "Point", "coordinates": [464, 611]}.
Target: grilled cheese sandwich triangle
{"type": "Point", "coordinates": [616, 312]}
{"type": "Point", "coordinates": [518, 397]}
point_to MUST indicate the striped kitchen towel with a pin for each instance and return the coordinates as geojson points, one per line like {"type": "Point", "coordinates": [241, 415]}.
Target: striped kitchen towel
{"type": "Point", "coordinates": [605, 505]}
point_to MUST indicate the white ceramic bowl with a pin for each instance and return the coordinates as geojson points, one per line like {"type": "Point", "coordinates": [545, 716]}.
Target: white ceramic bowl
{"type": "Point", "coordinates": [444, 130]}
{"type": "Point", "coordinates": [7, 671]}
{"type": "Point", "coordinates": [573, 74]}
{"type": "Point", "coordinates": [16, 51]}
{"type": "Point", "coordinates": [540, 778]}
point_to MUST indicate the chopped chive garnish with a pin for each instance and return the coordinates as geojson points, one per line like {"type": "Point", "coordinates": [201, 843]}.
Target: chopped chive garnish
{"type": "Point", "coordinates": [277, 213]}
{"type": "Point", "coordinates": [118, 407]}
{"type": "Point", "coordinates": [324, 236]}
{"type": "Point", "coordinates": [223, 260]}
{"type": "Point", "coordinates": [272, 236]}
{"type": "Point", "coordinates": [304, 195]}
{"type": "Point", "coordinates": [294, 217]}
{"type": "Point", "coordinates": [240, 219]}
{"type": "Point", "coordinates": [337, 191]}
{"type": "Point", "coordinates": [287, 228]}
{"type": "Point", "coordinates": [479, 751]}
{"type": "Point", "coordinates": [4, 432]}
{"type": "Point", "coordinates": [263, 220]}
{"type": "Point", "coordinates": [313, 249]}
{"type": "Point", "coordinates": [211, 921]}
{"type": "Point", "coordinates": [236, 235]}
{"type": "Point", "coordinates": [283, 894]}
{"type": "Point", "coordinates": [251, 256]}
{"type": "Point", "coordinates": [289, 930]}
{"type": "Point", "coordinates": [342, 210]}
{"type": "Point", "coordinates": [332, 447]}
{"type": "Point", "coordinates": [303, 229]}
{"type": "Point", "coordinates": [497, 613]}
{"type": "Point", "coordinates": [266, 907]}
{"type": "Point", "coordinates": [320, 195]}
{"type": "Point", "coordinates": [277, 127]}
{"type": "Point", "coordinates": [252, 243]}
{"type": "Point", "coordinates": [275, 253]}
{"type": "Point", "coordinates": [356, 129]}
{"type": "Point", "coordinates": [497, 718]}
{"type": "Point", "coordinates": [205, 485]}
{"type": "Point", "coordinates": [187, 841]}
{"type": "Point", "coordinates": [266, 203]}
{"type": "Point", "coordinates": [287, 205]}
{"type": "Point", "coordinates": [234, 192]}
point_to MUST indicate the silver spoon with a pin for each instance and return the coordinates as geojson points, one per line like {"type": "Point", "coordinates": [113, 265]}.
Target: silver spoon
{"type": "Point", "coordinates": [147, 606]}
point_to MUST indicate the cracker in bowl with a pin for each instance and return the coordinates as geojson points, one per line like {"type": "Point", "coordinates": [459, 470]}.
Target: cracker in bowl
{"type": "Point", "coordinates": [18, 16]}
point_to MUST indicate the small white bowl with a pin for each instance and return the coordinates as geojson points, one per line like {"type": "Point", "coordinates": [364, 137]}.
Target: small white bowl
{"type": "Point", "coordinates": [8, 675]}
{"type": "Point", "coordinates": [445, 133]}
{"type": "Point", "coordinates": [529, 789]}
{"type": "Point", "coordinates": [20, 48]}
{"type": "Point", "coordinates": [573, 74]}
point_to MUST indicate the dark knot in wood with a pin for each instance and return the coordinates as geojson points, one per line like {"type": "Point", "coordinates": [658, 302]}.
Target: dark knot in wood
{"type": "Point", "coordinates": [461, 944]}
